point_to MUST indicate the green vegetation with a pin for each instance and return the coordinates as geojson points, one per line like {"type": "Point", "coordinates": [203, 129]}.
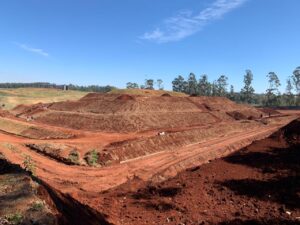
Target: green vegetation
{"type": "Point", "coordinates": [29, 165]}
{"type": "Point", "coordinates": [74, 157]}
{"type": "Point", "coordinates": [15, 218]}
{"type": "Point", "coordinates": [272, 96]}
{"type": "Point", "coordinates": [37, 205]}
{"type": "Point", "coordinates": [92, 158]}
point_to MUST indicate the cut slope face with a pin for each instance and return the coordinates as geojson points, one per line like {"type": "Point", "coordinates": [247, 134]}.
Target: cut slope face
{"type": "Point", "coordinates": [257, 185]}
{"type": "Point", "coordinates": [126, 113]}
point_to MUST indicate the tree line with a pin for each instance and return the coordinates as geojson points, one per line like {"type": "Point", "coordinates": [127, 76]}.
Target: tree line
{"type": "Point", "coordinates": [272, 96]}
{"type": "Point", "coordinates": [148, 84]}
{"type": "Point", "coordinates": [89, 88]}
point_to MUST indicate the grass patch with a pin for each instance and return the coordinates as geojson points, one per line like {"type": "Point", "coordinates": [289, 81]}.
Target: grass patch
{"type": "Point", "coordinates": [15, 218]}
{"type": "Point", "coordinates": [12, 126]}
{"type": "Point", "coordinates": [37, 206]}
{"type": "Point", "coordinates": [12, 97]}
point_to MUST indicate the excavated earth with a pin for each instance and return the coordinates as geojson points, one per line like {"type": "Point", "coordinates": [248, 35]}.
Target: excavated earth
{"type": "Point", "coordinates": [158, 160]}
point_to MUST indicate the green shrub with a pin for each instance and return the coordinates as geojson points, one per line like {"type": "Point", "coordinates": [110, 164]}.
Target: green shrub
{"type": "Point", "coordinates": [92, 158]}
{"type": "Point", "coordinates": [29, 164]}
{"type": "Point", "coordinates": [74, 157]}
{"type": "Point", "coordinates": [37, 205]}
{"type": "Point", "coordinates": [15, 218]}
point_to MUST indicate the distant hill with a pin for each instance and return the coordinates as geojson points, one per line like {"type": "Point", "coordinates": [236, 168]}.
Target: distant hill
{"type": "Point", "coordinates": [11, 97]}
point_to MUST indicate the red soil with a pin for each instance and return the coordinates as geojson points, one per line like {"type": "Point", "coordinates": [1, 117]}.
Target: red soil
{"type": "Point", "coordinates": [126, 113]}
{"type": "Point", "coordinates": [258, 185]}
{"type": "Point", "coordinates": [198, 130]}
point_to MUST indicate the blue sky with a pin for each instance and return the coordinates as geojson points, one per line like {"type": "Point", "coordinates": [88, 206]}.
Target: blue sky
{"type": "Point", "coordinates": [113, 42]}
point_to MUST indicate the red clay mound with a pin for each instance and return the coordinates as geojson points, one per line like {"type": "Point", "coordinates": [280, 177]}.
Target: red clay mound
{"type": "Point", "coordinates": [125, 97]}
{"type": "Point", "coordinates": [127, 113]}
{"type": "Point", "coordinates": [258, 185]}
{"type": "Point", "coordinates": [166, 95]}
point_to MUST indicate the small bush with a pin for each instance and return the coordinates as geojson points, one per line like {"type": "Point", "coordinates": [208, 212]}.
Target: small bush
{"type": "Point", "coordinates": [92, 158]}
{"type": "Point", "coordinates": [29, 164]}
{"type": "Point", "coordinates": [15, 218]}
{"type": "Point", "coordinates": [74, 156]}
{"type": "Point", "coordinates": [37, 205]}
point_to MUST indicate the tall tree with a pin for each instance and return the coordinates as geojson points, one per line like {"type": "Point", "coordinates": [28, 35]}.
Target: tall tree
{"type": "Point", "coordinates": [222, 85]}
{"type": "Point", "coordinates": [296, 79]}
{"type": "Point", "coordinates": [149, 84]}
{"type": "Point", "coordinates": [231, 94]}
{"type": "Point", "coordinates": [160, 84]}
{"type": "Point", "coordinates": [247, 91]}
{"type": "Point", "coordinates": [288, 97]}
{"type": "Point", "coordinates": [192, 84]}
{"type": "Point", "coordinates": [178, 84]}
{"type": "Point", "coordinates": [131, 85]}
{"type": "Point", "coordinates": [214, 89]}
{"type": "Point", "coordinates": [204, 86]}
{"type": "Point", "coordinates": [272, 93]}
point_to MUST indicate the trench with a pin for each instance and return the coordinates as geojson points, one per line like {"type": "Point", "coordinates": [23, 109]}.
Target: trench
{"type": "Point", "coordinates": [70, 211]}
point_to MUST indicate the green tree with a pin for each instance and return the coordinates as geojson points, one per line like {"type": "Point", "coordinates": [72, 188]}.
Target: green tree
{"type": "Point", "coordinates": [214, 89]}
{"type": "Point", "coordinates": [288, 97]}
{"type": "Point", "coordinates": [231, 94]}
{"type": "Point", "coordinates": [131, 85]}
{"type": "Point", "coordinates": [192, 84]}
{"type": "Point", "coordinates": [296, 79]}
{"type": "Point", "coordinates": [204, 87]}
{"type": "Point", "coordinates": [247, 91]}
{"type": "Point", "coordinates": [149, 84]}
{"type": "Point", "coordinates": [178, 84]}
{"type": "Point", "coordinates": [160, 84]}
{"type": "Point", "coordinates": [272, 93]}
{"type": "Point", "coordinates": [222, 85]}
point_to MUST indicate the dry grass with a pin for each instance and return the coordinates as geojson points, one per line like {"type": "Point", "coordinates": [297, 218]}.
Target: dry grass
{"type": "Point", "coordinates": [13, 127]}
{"type": "Point", "coordinates": [12, 97]}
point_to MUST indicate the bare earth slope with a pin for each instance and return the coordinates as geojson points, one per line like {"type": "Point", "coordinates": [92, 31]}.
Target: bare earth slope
{"type": "Point", "coordinates": [123, 131]}
{"type": "Point", "coordinates": [258, 185]}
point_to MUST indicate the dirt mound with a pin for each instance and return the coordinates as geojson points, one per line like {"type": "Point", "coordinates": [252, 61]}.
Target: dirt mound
{"type": "Point", "coordinates": [269, 111]}
{"type": "Point", "coordinates": [128, 113]}
{"type": "Point", "coordinates": [166, 95]}
{"type": "Point", "coordinates": [257, 185]}
{"type": "Point", "coordinates": [290, 133]}
{"type": "Point", "coordinates": [125, 97]}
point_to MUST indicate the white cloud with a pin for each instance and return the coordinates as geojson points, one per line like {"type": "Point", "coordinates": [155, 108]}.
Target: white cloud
{"type": "Point", "coordinates": [187, 23]}
{"type": "Point", "coordinates": [33, 50]}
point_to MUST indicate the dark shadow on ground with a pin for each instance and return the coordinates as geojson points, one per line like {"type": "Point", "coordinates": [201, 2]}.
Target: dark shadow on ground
{"type": "Point", "coordinates": [261, 222]}
{"type": "Point", "coordinates": [151, 191]}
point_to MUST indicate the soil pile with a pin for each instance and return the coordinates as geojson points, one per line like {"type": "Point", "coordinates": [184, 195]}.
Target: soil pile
{"type": "Point", "coordinates": [269, 111]}
{"type": "Point", "coordinates": [258, 185]}
{"type": "Point", "coordinates": [128, 113]}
